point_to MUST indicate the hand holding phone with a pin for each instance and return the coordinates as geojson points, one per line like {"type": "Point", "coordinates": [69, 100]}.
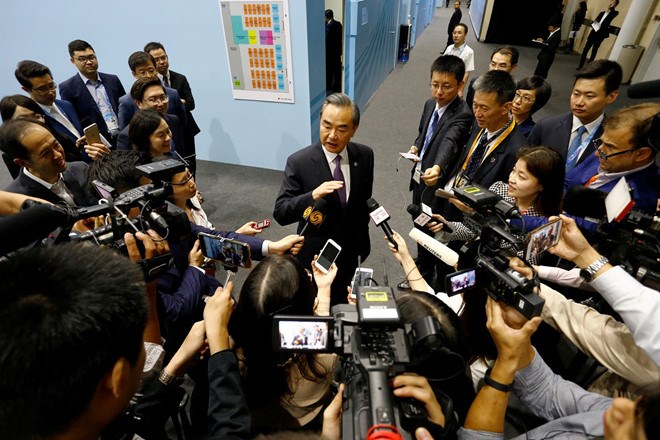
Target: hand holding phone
{"type": "Point", "coordinates": [262, 224]}
{"type": "Point", "coordinates": [542, 238]}
{"type": "Point", "coordinates": [328, 255]}
{"type": "Point", "coordinates": [92, 134]}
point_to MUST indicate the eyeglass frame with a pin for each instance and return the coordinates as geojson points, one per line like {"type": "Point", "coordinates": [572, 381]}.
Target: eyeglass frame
{"type": "Point", "coordinates": [42, 90]}
{"type": "Point", "coordinates": [188, 178]}
{"type": "Point", "coordinates": [444, 88]}
{"type": "Point", "coordinates": [155, 100]}
{"type": "Point", "coordinates": [599, 143]}
{"type": "Point", "coordinates": [523, 98]}
{"type": "Point", "coordinates": [85, 58]}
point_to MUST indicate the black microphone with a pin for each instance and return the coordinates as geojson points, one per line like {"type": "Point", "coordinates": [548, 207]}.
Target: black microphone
{"type": "Point", "coordinates": [422, 219]}
{"type": "Point", "coordinates": [314, 214]}
{"type": "Point", "coordinates": [380, 218]}
{"type": "Point", "coordinates": [646, 89]}
{"type": "Point", "coordinates": [585, 202]}
{"type": "Point", "coordinates": [32, 224]}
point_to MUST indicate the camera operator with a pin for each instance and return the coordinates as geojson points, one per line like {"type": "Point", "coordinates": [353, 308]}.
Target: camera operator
{"type": "Point", "coordinates": [638, 306]}
{"type": "Point", "coordinates": [570, 411]}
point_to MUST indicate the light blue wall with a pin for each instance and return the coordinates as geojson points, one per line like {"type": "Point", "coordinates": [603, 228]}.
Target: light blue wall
{"type": "Point", "coordinates": [241, 132]}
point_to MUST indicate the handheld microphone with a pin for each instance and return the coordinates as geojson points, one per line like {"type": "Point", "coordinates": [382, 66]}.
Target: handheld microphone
{"type": "Point", "coordinates": [32, 224]}
{"type": "Point", "coordinates": [421, 218]}
{"type": "Point", "coordinates": [380, 218]}
{"type": "Point", "coordinates": [442, 252]}
{"type": "Point", "coordinates": [314, 215]}
{"type": "Point", "coordinates": [644, 90]}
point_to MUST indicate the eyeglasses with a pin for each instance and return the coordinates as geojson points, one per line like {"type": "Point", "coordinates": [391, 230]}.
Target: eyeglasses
{"type": "Point", "coordinates": [443, 87]}
{"type": "Point", "coordinates": [158, 99]}
{"type": "Point", "coordinates": [599, 148]}
{"type": "Point", "coordinates": [187, 179]}
{"type": "Point", "coordinates": [84, 59]}
{"type": "Point", "coordinates": [45, 89]}
{"type": "Point", "coordinates": [524, 98]}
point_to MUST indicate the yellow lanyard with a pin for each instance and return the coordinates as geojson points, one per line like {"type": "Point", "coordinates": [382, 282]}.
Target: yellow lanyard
{"type": "Point", "coordinates": [497, 142]}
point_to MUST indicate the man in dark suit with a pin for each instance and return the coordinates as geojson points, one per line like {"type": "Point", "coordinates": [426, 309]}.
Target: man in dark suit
{"type": "Point", "coordinates": [333, 51]}
{"type": "Point", "coordinates": [453, 21]}
{"type": "Point", "coordinates": [443, 130]}
{"type": "Point", "coordinates": [341, 172]}
{"type": "Point", "coordinates": [93, 94]}
{"type": "Point", "coordinates": [548, 49]}
{"type": "Point", "coordinates": [503, 58]}
{"type": "Point", "coordinates": [45, 173]}
{"type": "Point", "coordinates": [574, 134]}
{"type": "Point", "coordinates": [600, 30]}
{"type": "Point", "coordinates": [150, 94]}
{"type": "Point", "coordinates": [180, 83]}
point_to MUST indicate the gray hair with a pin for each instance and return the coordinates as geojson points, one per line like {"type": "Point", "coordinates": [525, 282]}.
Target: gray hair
{"type": "Point", "coordinates": [341, 100]}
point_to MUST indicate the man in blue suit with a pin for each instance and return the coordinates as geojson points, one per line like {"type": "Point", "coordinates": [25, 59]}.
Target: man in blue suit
{"type": "Point", "coordinates": [93, 94]}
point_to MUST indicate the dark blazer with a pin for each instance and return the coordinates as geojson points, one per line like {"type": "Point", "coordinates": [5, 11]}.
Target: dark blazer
{"type": "Point", "coordinates": [124, 141]}
{"type": "Point", "coordinates": [444, 147]}
{"type": "Point", "coordinates": [128, 107]}
{"type": "Point", "coordinates": [305, 171]}
{"type": "Point", "coordinates": [453, 21]}
{"type": "Point", "coordinates": [604, 30]}
{"type": "Point", "coordinates": [74, 177]}
{"type": "Point", "coordinates": [75, 91]}
{"type": "Point", "coordinates": [66, 138]}
{"type": "Point", "coordinates": [555, 132]}
{"type": "Point", "coordinates": [547, 54]}
{"type": "Point", "coordinates": [229, 416]}
{"type": "Point", "coordinates": [179, 82]}
{"type": "Point", "coordinates": [499, 163]}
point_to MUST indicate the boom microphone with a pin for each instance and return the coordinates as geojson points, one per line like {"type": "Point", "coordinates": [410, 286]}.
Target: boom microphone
{"type": "Point", "coordinates": [646, 89]}
{"type": "Point", "coordinates": [422, 219]}
{"type": "Point", "coordinates": [585, 202]}
{"type": "Point", "coordinates": [314, 215]}
{"type": "Point", "coordinates": [380, 218]}
{"type": "Point", "coordinates": [30, 225]}
{"type": "Point", "coordinates": [442, 252]}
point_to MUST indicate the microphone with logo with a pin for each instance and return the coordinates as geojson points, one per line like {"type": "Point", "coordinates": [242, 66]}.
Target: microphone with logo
{"type": "Point", "coordinates": [421, 218]}
{"type": "Point", "coordinates": [380, 218]}
{"type": "Point", "coordinates": [442, 252]}
{"type": "Point", "coordinates": [314, 215]}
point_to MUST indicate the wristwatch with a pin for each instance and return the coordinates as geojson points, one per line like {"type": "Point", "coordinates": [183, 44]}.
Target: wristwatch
{"type": "Point", "coordinates": [587, 274]}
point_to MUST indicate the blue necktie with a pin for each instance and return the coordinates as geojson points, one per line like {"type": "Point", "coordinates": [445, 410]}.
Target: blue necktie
{"type": "Point", "coordinates": [338, 175]}
{"type": "Point", "coordinates": [433, 126]}
{"type": "Point", "coordinates": [573, 149]}
{"type": "Point", "coordinates": [477, 156]}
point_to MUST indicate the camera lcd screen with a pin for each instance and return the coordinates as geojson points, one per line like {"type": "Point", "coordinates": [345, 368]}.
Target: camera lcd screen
{"type": "Point", "coordinates": [303, 334]}
{"type": "Point", "coordinates": [460, 281]}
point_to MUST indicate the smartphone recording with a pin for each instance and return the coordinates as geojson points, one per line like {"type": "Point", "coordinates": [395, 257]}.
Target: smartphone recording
{"type": "Point", "coordinates": [542, 238]}
{"type": "Point", "coordinates": [228, 252]}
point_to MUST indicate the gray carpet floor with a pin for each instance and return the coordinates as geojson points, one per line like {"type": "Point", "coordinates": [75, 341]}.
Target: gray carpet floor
{"type": "Point", "coordinates": [237, 194]}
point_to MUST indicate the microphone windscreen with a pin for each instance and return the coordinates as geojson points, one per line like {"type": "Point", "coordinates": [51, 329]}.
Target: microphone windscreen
{"type": "Point", "coordinates": [644, 90]}
{"type": "Point", "coordinates": [441, 251]}
{"type": "Point", "coordinates": [30, 225]}
{"type": "Point", "coordinates": [585, 202]}
{"type": "Point", "coordinates": [372, 204]}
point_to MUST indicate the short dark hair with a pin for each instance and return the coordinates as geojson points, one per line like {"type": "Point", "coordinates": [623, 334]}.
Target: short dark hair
{"type": "Point", "coordinates": [464, 27]}
{"type": "Point", "coordinates": [141, 85]}
{"type": "Point", "coordinates": [64, 323]}
{"type": "Point", "coordinates": [154, 45]}
{"type": "Point", "coordinates": [11, 134]}
{"type": "Point", "coordinates": [9, 103]}
{"type": "Point", "coordinates": [610, 71]}
{"type": "Point", "coordinates": [117, 169]}
{"type": "Point", "coordinates": [511, 51]}
{"type": "Point", "coordinates": [449, 64]}
{"type": "Point", "coordinates": [27, 69]}
{"type": "Point", "coordinates": [142, 125]}
{"type": "Point", "coordinates": [139, 58]}
{"type": "Point", "coordinates": [341, 100]}
{"type": "Point", "coordinates": [541, 86]}
{"type": "Point", "coordinates": [78, 46]}
{"type": "Point", "coordinates": [329, 13]}
{"type": "Point", "coordinates": [498, 82]}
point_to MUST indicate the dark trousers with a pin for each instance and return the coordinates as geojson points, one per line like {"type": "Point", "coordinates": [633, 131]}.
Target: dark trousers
{"type": "Point", "coordinates": [593, 43]}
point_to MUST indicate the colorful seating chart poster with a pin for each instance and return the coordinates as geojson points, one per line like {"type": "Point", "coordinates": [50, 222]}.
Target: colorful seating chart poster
{"type": "Point", "coordinates": [259, 49]}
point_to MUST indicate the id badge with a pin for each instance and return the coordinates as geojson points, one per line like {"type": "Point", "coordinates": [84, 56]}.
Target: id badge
{"type": "Point", "coordinates": [417, 175]}
{"type": "Point", "coordinates": [461, 180]}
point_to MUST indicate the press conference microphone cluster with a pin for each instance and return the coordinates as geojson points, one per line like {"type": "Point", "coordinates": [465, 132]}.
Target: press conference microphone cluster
{"type": "Point", "coordinates": [442, 252]}
{"type": "Point", "coordinates": [314, 215]}
{"type": "Point", "coordinates": [380, 218]}
{"type": "Point", "coordinates": [422, 219]}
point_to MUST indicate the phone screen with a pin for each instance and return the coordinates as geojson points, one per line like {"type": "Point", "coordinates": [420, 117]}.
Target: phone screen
{"type": "Point", "coordinates": [227, 252]}
{"type": "Point", "coordinates": [328, 255]}
{"type": "Point", "coordinates": [542, 238]}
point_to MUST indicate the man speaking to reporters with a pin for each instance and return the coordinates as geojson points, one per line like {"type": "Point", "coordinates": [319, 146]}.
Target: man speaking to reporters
{"type": "Point", "coordinates": [340, 172]}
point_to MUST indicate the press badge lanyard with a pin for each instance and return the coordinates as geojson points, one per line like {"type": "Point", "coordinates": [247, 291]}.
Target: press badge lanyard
{"type": "Point", "coordinates": [582, 146]}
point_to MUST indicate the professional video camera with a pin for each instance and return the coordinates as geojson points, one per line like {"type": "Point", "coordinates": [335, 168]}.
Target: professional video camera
{"type": "Point", "coordinates": [633, 244]}
{"type": "Point", "coordinates": [374, 346]}
{"type": "Point", "coordinates": [490, 254]}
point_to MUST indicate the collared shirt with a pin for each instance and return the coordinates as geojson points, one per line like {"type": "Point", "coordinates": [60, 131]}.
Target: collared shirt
{"type": "Point", "coordinates": [604, 178]}
{"type": "Point", "coordinates": [56, 113]}
{"type": "Point", "coordinates": [440, 111]}
{"type": "Point", "coordinates": [169, 79]}
{"type": "Point", "coordinates": [100, 96]}
{"type": "Point", "coordinates": [59, 188]}
{"type": "Point", "coordinates": [552, 33]}
{"type": "Point", "coordinates": [591, 129]}
{"type": "Point", "coordinates": [345, 167]}
{"type": "Point", "coordinates": [464, 52]}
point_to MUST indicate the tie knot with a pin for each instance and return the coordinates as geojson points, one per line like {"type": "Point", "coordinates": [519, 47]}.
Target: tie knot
{"type": "Point", "coordinates": [581, 130]}
{"type": "Point", "coordinates": [337, 160]}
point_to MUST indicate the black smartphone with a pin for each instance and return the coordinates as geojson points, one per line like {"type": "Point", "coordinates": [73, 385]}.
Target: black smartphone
{"type": "Point", "coordinates": [228, 252]}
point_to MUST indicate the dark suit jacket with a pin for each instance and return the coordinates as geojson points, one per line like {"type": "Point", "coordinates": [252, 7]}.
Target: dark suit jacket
{"type": "Point", "coordinates": [63, 135]}
{"type": "Point", "coordinates": [444, 147]}
{"type": "Point", "coordinates": [179, 82]}
{"type": "Point", "coordinates": [305, 171]}
{"type": "Point", "coordinates": [74, 177]}
{"type": "Point", "coordinates": [75, 91]}
{"type": "Point", "coordinates": [549, 49]}
{"type": "Point", "coordinates": [604, 30]}
{"type": "Point", "coordinates": [453, 21]}
{"type": "Point", "coordinates": [499, 163]}
{"type": "Point", "coordinates": [128, 107]}
{"type": "Point", "coordinates": [555, 132]}
{"type": "Point", "coordinates": [124, 141]}
{"type": "Point", "coordinates": [333, 39]}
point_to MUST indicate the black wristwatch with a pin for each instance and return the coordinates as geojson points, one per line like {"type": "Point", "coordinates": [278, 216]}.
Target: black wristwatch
{"type": "Point", "coordinates": [587, 274]}
{"type": "Point", "coordinates": [495, 384]}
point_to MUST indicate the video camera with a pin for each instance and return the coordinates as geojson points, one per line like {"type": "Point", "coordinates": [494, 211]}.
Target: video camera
{"type": "Point", "coordinates": [490, 254]}
{"type": "Point", "coordinates": [374, 345]}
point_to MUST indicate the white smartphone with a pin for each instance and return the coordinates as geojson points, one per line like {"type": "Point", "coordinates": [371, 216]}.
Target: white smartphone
{"type": "Point", "coordinates": [410, 156]}
{"type": "Point", "coordinates": [92, 134]}
{"type": "Point", "coordinates": [366, 276]}
{"type": "Point", "coordinates": [327, 256]}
